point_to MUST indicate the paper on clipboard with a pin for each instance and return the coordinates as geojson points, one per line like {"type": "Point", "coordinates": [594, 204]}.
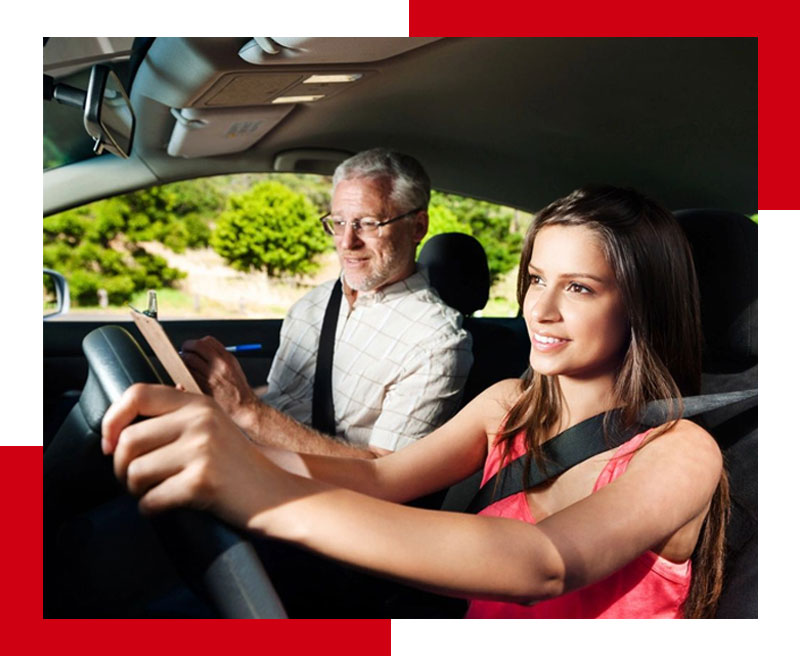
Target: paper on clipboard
{"type": "Point", "coordinates": [154, 334]}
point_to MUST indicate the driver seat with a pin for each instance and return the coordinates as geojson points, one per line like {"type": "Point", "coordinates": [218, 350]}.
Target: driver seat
{"type": "Point", "coordinates": [725, 248]}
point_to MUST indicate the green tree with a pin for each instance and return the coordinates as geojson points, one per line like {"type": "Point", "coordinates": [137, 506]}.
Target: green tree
{"type": "Point", "coordinates": [494, 226]}
{"type": "Point", "coordinates": [89, 245]}
{"type": "Point", "coordinates": [314, 187]}
{"type": "Point", "coordinates": [442, 219]}
{"type": "Point", "coordinates": [317, 188]}
{"type": "Point", "coordinates": [177, 214]}
{"type": "Point", "coordinates": [270, 228]}
{"type": "Point", "coordinates": [97, 246]}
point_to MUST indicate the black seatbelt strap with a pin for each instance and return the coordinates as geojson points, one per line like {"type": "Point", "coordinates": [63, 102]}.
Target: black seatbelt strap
{"type": "Point", "coordinates": [322, 417]}
{"type": "Point", "coordinates": [562, 452]}
{"type": "Point", "coordinates": [659, 412]}
{"type": "Point", "coordinates": [579, 443]}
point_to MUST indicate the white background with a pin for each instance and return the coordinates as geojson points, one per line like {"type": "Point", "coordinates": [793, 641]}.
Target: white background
{"type": "Point", "coordinates": [778, 290]}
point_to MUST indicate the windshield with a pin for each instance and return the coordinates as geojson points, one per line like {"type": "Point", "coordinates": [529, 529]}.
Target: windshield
{"type": "Point", "coordinates": [69, 61]}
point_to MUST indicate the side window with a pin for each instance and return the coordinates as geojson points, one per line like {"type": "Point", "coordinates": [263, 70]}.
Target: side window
{"type": "Point", "coordinates": [499, 229]}
{"type": "Point", "coordinates": [236, 246]}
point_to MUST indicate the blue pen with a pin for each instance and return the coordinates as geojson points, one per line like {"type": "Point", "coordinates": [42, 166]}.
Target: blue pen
{"type": "Point", "coordinates": [238, 348]}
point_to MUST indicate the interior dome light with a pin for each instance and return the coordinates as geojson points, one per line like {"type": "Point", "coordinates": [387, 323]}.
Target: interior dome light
{"type": "Point", "coordinates": [296, 99]}
{"type": "Point", "coordinates": [333, 78]}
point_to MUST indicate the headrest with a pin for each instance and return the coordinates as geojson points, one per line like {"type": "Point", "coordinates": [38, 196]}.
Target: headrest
{"type": "Point", "coordinates": [725, 249]}
{"type": "Point", "coordinates": [457, 269]}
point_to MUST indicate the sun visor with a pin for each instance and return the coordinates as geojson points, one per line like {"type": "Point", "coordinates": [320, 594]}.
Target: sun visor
{"type": "Point", "coordinates": [209, 132]}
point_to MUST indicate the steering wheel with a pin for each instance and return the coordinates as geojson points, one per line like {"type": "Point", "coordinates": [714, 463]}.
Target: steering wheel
{"type": "Point", "coordinates": [210, 555]}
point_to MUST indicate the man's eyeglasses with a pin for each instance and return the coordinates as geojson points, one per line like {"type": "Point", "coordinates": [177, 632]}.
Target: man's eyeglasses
{"type": "Point", "coordinates": [364, 227]}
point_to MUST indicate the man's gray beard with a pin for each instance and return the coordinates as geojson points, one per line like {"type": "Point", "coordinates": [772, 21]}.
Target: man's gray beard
{"type": "Point", "coordinates": [377, 278]}
{"type": "Point", "coordinates": [367, 284]}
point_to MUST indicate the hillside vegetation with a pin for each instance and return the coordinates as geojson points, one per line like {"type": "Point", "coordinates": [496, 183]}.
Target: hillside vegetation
{"type": "Point", "coordinates": [235, 244]}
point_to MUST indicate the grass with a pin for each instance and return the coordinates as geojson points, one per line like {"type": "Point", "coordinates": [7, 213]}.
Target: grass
{"type": "Point", "coordinates": [174, 303]}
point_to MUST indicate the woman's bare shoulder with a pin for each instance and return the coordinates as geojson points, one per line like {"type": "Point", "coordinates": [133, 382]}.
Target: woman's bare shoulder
{"type": "Point", "coordinates": [499, 397]}
{"type": "Point", "coordinates": [506, 391]}
{"type": "Point", "coordinates": [491, 406]}
{"type": "Point", "coordinates": [684, 445]}
{"type": "Point", "coordinates": [685, 432]}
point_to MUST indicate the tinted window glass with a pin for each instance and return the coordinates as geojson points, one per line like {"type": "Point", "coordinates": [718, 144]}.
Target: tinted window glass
{"type": "Point", "coordinates": [237, 246]}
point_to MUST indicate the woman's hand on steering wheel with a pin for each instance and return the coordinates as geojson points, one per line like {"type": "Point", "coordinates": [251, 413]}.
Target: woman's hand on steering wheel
{"type": "Point", "coordinates": [187, 452]}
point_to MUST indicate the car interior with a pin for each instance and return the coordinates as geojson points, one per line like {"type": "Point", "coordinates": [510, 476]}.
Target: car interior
{"type": "Point", "coordinates": [518, 121]}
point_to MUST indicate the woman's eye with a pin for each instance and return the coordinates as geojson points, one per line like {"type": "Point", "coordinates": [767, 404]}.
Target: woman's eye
{"type": "Point", "coordinates": [578, 288]}
{"type": "Point", "coordinates": [535, 280]}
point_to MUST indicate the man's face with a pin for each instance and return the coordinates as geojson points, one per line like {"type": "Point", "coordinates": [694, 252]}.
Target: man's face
{"type": "Point", "coordinates": [372, 262]}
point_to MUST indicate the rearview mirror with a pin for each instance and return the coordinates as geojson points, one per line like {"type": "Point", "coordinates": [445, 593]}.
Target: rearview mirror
{"type": "Point", "coordinates": [107, 113]}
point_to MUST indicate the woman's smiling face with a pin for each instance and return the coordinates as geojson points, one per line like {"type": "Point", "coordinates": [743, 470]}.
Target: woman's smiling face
{"type": "Point", "coordinates": [573, 308]}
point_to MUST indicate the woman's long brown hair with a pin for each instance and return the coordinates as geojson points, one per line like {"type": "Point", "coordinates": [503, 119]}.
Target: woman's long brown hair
{"type": "Point", "coordinates": [652, 262]}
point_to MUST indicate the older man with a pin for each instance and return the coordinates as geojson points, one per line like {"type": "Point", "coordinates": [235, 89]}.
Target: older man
{"type": "Point", "coordinates": [400, 355]}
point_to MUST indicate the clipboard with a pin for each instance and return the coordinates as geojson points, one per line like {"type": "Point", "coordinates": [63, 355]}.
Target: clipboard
{"type": "Point", "coordinates": [165, 351]}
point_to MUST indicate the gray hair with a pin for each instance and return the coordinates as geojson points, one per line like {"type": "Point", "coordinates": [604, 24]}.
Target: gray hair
{"type": "Point", "coordinates": [410, 185]}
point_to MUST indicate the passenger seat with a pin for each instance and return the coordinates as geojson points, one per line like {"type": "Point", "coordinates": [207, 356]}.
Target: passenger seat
{"type": "Point", "coordinates": [457, 269]}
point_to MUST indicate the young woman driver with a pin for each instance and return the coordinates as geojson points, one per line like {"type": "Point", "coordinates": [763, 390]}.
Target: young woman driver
{"type": "Point", "coordinates": [609, 295]}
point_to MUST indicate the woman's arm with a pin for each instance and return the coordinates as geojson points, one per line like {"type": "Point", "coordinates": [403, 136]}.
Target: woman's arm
{"type": "Point", "coordinates": [664, 493]}
{"type": "Point", "coordinates": [443, 552]}
{"type": "Point", "coordinates": [189, 456]}
{"type": "Point", "coordinates": [190, 453]}
{"type": "Point", "coordinates": [667, 486]}
{"type": "Point", "coordinates": [448, 455]}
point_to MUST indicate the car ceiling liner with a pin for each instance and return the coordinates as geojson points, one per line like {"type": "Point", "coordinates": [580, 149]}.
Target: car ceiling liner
{"type": "Point", "coordinates": [237, 108]}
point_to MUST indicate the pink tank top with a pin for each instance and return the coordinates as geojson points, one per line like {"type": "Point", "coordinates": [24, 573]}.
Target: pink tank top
{"type": "Point", "coordinates": [648, 587]}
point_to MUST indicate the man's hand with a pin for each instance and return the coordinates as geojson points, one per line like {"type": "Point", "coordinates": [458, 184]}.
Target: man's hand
{"type": "Point", "coordinates": [220, 375]}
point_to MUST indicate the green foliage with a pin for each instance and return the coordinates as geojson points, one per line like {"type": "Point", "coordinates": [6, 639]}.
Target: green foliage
{"type": "Point", "coordinates": [49, 288]}
{"type": "Point", "coordinates": [494, 226]}
{"type": "Point", "coordinates": [53, 155]}
{"type": "Point", "coordinates": [317, 188]}
{"type": "Point", "coordinates": [97, 246]}
{"type": "Point", "coordinates": [314, 187]}
{"type": "Point", "coordinates": [90, 262]}
{"type": "Point", "coordinates": [67, 228]}
{"type": "Point", "coordinates": [254, 222]}
{"type": "Point", "coordinates": [442, 219]}
{"type": "Point", "coordinates": [270, 228]}
{"type": "Point", "coordinates": [177, 214]}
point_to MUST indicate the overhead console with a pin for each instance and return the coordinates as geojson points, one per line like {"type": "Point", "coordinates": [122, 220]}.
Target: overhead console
{"type": "Point", "coordinates": [232, 92]}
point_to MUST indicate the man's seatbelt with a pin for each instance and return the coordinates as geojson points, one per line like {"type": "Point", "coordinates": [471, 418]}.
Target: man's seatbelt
{"type": "Point", "coordinates": [575, 445]}
{"type": "Point", "coordinates": [322, 416]}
